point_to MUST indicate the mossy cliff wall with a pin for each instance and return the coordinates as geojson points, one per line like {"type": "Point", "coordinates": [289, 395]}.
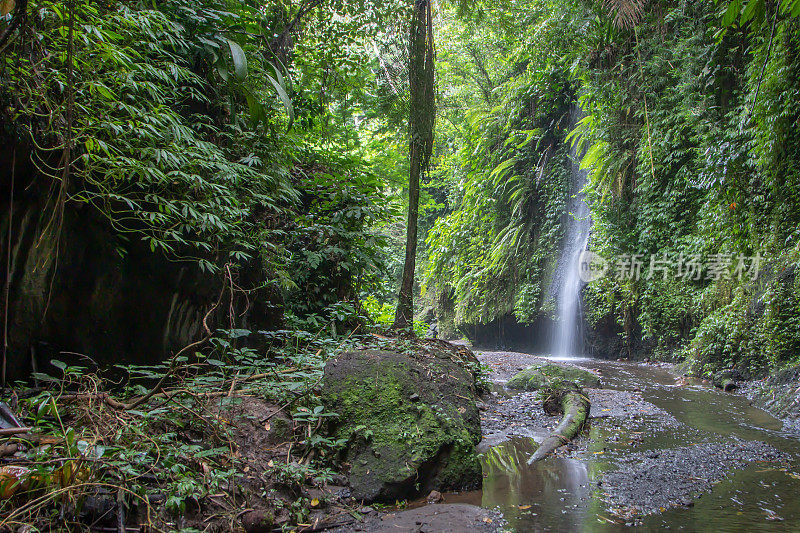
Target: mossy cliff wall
{"type": "Point", "coordinates": [79, 288]}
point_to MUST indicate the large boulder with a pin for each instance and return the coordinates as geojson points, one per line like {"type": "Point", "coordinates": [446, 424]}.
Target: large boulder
{"type": "Point", "coordinates": [410, 422]}
{"type": "Point", "coordinates": [727, 379]}
{"type": "Point", "coordinates": [543, 374]}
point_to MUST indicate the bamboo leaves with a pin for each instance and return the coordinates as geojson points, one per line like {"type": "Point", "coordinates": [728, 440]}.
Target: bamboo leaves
{"type": "Point", "coordinates": [745, 11]}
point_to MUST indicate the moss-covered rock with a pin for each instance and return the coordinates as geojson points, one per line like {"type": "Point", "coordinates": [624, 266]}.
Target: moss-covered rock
{"type": "Point", "coordinates": [727, 379]}
{"type": "Point", "coordinates": [543, 374]}
{"type": "Point", "coordinates": [410, 421]}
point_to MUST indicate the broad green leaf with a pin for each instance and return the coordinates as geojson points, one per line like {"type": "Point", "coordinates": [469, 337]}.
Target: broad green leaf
{"type": "Point", "coordinates": [750, 10]}
{"type": "Point", "coordinates": [734, 8]}
{"type": "Point", "coordinates": [284, 96]}
{"type": "Point", "coordinates": [239, 60]}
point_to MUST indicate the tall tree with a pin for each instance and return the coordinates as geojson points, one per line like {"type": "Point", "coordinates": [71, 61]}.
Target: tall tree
{"type": "Point", "coordinates": [420, 121]}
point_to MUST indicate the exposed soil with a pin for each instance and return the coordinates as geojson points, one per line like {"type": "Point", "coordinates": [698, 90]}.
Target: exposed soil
{"type": "Point", "coordinates": [444, 517]}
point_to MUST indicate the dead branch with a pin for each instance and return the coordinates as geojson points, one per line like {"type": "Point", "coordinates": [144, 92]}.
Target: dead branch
{"type": "Point", "coordinates": [14, 431]}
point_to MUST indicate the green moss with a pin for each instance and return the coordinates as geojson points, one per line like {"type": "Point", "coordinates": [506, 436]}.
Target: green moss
{"type": "Point", "coordinates": [404, 430]}
{"type": "Point", "coordinates": [541, 375]}
{"type": "Point", "coordinates": [462, 464]}
{"type": "Point", "coordinates": [756, 330]}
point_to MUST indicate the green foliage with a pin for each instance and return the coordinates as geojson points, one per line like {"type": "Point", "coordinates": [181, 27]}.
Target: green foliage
{"type": "Point", "coordinates": [757, 330]}
{"type": "Point", "coordinates": [175, 450]}
{"type": "Point", "coordinates": [190, 136]}
{"type": "Point", "coordinates": [683, 141]}
{"type": "Point", "coordinates": [491, 251]}
{"type": "Point", "coordinates": [691, 146]}
{"type": "Point", "coordinates": [143, 151]}
{"type": "Point", "coordinates": [382, 315]}
{"type": "Point", "coordinates": [755, 11]}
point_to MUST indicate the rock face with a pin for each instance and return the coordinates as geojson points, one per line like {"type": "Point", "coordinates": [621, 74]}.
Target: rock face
{"type": "Point", "coordinates": [84, 291]}
{"type": "Point", "coordinates": [543, 374]}
{"type": "Point", "coordinates": [410, 422]}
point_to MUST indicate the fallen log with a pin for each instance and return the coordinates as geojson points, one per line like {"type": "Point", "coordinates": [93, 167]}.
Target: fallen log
{"type": "Point", "coordinates": [570, 401]}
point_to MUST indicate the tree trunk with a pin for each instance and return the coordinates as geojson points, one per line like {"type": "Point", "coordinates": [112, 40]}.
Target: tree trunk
{"type": "Point", "coordinates": [421, 115]}
{"type": "Point", "coordinates": [405, 305]}
{"type": "Point", "coordinates": [575, 406]}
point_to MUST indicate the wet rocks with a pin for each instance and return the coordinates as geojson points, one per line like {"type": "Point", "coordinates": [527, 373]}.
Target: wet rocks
{"type": "Point", "coordinates": [547, 374]}
{"type": "Point", "coordinates": [515, 415]}
{"type": "Point", "coordinates": [607, 403]}
{"type": "Point", "coordinates": [727, 380]}
{"type": "Point", "coordinates": [435, 497]}
{"type": "Point", "coordinates": [410, 422]}
{"type": "Point", "coordinates": [651, 480]}
{"type": "Point", "coordinates": [434, 518]}
{"type": "Point", "coordinates": [779, 394]}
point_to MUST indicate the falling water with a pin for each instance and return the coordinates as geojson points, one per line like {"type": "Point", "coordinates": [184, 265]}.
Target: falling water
{"type": "Point", "coordinates": [567, 340]}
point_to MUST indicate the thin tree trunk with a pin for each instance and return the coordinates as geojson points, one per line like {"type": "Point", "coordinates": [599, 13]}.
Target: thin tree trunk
{"type": "Point", "coordinates": [421, 115]}
{"type": "Point", "coordinates": [405, 305]}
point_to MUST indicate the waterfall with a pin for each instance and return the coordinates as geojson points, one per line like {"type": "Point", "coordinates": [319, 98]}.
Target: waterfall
{"type": "Point", "coordinates": [567, 283]}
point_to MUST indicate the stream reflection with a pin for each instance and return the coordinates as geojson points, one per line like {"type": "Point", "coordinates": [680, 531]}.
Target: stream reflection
{"type": "Point", "coordinates": [545, 491]}
{"type": "Point", "coordinates": [560, 494]}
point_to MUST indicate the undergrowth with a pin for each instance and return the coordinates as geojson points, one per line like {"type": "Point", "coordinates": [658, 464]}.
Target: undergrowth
{"type": "Point", "coordinates": [176, 458]}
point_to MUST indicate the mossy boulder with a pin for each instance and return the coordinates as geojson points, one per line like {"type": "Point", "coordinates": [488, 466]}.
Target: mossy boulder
{"type": "Point", "coordinates": [727, 379]}
{"type": "Point", "coordinates": [410, 422]}
{"type": "Point", "coordinates": [546, 374]}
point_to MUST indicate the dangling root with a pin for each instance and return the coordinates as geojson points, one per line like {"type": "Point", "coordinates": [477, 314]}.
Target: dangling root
{"type": "Point", "coordinates": [574, 404]}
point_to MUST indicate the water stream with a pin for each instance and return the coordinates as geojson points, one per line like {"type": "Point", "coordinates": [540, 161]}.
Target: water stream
{"type": "Point", "coordinates": [567, 284]}
{"type": "Point", "coordinates": [561, 494]}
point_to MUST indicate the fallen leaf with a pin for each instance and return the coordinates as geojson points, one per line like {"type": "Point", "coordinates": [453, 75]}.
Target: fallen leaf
{"type": "Point", "coordinates": [13, 478]}
{"type": "Point", "coordinates": [6, 7]}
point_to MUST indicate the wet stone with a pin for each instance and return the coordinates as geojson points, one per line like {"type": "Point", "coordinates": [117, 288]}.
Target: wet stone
{"type": "Point", "coordinates": [648, 481]}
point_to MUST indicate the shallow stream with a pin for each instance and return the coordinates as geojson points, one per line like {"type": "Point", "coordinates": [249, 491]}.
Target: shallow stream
{"type": "Point", "coordinates": [561, 493]}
